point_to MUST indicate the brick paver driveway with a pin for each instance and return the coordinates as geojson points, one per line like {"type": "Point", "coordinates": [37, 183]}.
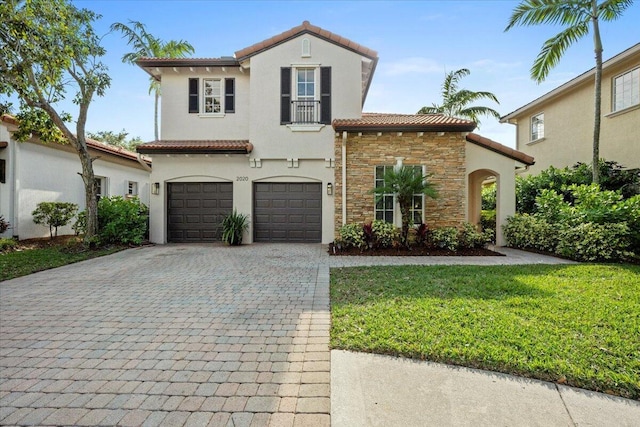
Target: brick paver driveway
{"type": "Point", "coordinates": [170, 335]}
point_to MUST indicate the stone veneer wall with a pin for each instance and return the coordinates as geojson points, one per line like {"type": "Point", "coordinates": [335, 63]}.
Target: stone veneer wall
{"type": "Point", "coordinates": [443, 156]}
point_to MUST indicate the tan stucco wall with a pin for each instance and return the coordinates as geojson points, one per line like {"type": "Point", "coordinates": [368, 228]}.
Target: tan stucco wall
{"type": "Point", "coordinates": [442, 155]}
{"type": "Point", "coordinates": [569, 126]}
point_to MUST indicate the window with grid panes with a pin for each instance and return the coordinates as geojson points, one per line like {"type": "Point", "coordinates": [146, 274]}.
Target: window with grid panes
{"type": "Point", "coordinates": [384, 207]}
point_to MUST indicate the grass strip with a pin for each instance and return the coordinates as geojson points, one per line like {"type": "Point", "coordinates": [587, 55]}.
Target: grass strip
{"type": "Point", "coordinates": [573, 324]}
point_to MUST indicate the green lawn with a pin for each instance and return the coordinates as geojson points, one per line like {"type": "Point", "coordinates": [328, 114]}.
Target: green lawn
{"type": "Point", "coordinates": [21, 263]}
{"type": "Point", "coordinates": [573, 324]}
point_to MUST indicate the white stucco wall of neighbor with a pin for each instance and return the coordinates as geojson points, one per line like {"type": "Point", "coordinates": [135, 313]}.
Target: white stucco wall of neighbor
{"type": "Point", "coordinates": [6, 188]}
{"type": "Point", "coordinates": [46, 174]}
{"type": "Point", "coordinates": [480, 164]}
{"type": "Point", "coordinates": [234, 168]}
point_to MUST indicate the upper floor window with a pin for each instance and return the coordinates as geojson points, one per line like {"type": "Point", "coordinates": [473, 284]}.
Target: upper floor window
{"type": "Point", "coordinates": [218, 96]}
{"type": "Point", "coordinates": [212, 96]}
{"type": "Point", "coordinates": [626, 90]}
{"type": "Point", "coordinates": [305, 95]}
{"type": "Point", "coordinates": [537, 126]}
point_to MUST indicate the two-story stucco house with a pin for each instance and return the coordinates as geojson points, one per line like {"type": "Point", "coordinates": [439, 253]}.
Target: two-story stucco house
{"type": "Point", "coordinates": [32, 172]}
{"type": "Point", "coordinates": [557, 128]}
{"type": "Point", "coordinates": [277, 132]}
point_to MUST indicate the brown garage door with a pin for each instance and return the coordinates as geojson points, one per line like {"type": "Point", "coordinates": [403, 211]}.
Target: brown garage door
{"type": "Point", "coordinates": [287, 212]}
{"type": "Point", "coordinates": [196, 210]}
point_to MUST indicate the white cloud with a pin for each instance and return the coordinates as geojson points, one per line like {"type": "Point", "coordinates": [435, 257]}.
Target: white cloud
{"type": "Point", "coordinates": [418, 65]}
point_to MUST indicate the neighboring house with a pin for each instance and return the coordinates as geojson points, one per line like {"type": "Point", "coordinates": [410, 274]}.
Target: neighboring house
{"type": "Point", "coordinates": [557, 128]}
{"type": "Point", "coordinates": [277, 132]}
{"type": "Point", "coordinates": [32, 172]}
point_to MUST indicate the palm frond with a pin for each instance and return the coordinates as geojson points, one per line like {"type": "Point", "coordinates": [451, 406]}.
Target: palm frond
{"type": "Point", "coordinates": [536, 12]}
{"type": "Point", "coordinates": [554, 48]}
{"type": "Point", "coordinates": [430, 110]}
{"type": "Point", "coordinates": [610, 10]}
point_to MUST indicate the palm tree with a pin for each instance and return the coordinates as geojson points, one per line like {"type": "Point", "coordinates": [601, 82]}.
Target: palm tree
{"type": "Point", "coordinates": [404, 182]}
{"type": "Point", "coordinates": [576, 16]}
{"type": "Point", "coordinates": [455, 102]}
{"type": "Point", "coordinates": [146, 45]}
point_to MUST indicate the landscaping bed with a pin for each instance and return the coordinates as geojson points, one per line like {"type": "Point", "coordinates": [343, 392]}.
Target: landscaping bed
{"type": "Point", "coordinates": [571, 324]}
{"type": "Point", "coordinates": [413, 251]}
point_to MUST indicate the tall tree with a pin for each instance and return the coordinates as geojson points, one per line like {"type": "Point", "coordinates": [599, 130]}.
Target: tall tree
{"type": "Point", "coordinates": [118, 139]}
{"type": "Point", "coordinates": [49, 47]}
{"type": "Point", "coordinates": [456, 102]}
{"type": "Point", "coordinates": [146, 45]}
{"type": "Point", "coordinates": [576, 16]}
{"type": "Point", "coordinates": [404, 182]}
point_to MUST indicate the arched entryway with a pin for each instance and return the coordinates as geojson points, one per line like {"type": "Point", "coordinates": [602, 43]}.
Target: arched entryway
{"type": "Point", "coordinates": [476, 181]}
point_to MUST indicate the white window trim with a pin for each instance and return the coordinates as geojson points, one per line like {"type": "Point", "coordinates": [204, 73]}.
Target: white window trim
{"type": "Point", "coordinates": [132, 185]}
{"type": "Point", "coordinates": [306, 127]}
{"type": "Point", "coordinates": [306, 48]}
{"type": "Point", "coordinates": [104, 186]}
{"type": "Point", "coordinates": [613, 94]}
{"type": "Point", "coordinates": [541, 138]}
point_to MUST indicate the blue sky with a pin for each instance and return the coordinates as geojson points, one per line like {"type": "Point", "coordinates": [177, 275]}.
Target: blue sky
{"type": "Point", "coordinates": [417, 42]}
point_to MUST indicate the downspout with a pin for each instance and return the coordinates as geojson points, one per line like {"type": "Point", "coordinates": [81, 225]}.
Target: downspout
{"type": "Point", "coordinates": [144, 164]}
{"type": "Point", "coordinates": [344, 177]}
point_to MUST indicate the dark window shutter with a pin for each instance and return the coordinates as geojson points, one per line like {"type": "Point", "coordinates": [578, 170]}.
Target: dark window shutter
{"type": "Point", "coordinates": [193, 96]}
{"type": "Point", "coordinates": [325, 95]}
{"type": "Point", "coordinates": [230, 95]}
{"type": "Point", "coordinates": [285, 96]}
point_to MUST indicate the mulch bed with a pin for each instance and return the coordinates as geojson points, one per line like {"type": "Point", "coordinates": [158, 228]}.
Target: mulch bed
{"type": "Point", "coordinates": [414, 251]}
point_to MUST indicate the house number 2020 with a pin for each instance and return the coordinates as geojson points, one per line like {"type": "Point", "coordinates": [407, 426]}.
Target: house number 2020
{"type": "Point", "coordinates": [242, 178]}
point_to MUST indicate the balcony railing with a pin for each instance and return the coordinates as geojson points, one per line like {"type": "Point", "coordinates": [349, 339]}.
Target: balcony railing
{"type": "Point", "coordinates": [304, 112]}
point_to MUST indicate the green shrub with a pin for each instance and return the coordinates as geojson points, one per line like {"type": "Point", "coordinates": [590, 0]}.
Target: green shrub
{"type": "Point", "coordinates": [445, 238]}
{"type": "Point", "coordinates": [80, 226]}
{"type": "Point", "coordinates": [4, 225]}
{"type": "Point", "coordinates": [352, 236]}
{"type": "Point", "coordinates": [488, 222]}
{"type": "Point", "coordinates": [595, 242]}
{"type": "Point", "coordinates": [530, 232]}
{"type": "Point", "coordinates": [233, 226]}
{"type": "Point", "coordinates": [54, 214]}
{"type": "Point", "coordinates": [384, 233]}
{"type": "Point", "coordinates": [122, 220]}
{"type": "Point", "coordinates": [7, 245]}
{"type": "Point", "coordinates": [470, 237]}
{"type": "Point", "coordinates": [489, 197]}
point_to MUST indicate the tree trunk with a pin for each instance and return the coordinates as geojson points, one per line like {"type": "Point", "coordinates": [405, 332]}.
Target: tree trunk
{"type": "Point", "coordinates": [597, 44]}
{"type": "Point", "coordinates": [155, 115]}
{"type": "Point", "coordinates": [88, 177]}
{"type": "Point", "coordinates": [405, 213]}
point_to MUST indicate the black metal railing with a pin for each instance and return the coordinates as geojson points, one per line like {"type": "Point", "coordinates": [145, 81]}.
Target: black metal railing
{"type": "Point", "coordinates": [307, 111]}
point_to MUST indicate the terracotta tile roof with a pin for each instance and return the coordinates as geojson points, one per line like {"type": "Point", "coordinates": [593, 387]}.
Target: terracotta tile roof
{"type": "Point", "coordinates": [492, 145]}
{"type": "Point", "coordinates": [91, 143]}
{"type": "Point", "coordinates": [306, 27]}
{"type": "Point", "coordinates": [196, 147]}
{"type": "Point", "coordinates": [404, 123]}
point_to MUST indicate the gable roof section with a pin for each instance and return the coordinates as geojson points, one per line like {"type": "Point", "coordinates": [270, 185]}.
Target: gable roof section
{"type": "Point", "coordinates": [588, 75]}
{"type": "Point", "coordinates": [404, 123]}
{"type": "Point", "coordinates": [496, 147]}
{"type": "Point", "coordinates": [306, 28]}
{"type": "Point", "coordinates": [91, 143]}
{"type": "Point", "coordinates": [196, 147]}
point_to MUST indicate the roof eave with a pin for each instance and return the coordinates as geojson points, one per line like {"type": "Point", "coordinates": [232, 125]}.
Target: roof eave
{"type": "Point", "coordinates": [405, 128]}
{"type": "Point", "coordinates": [151, 151]}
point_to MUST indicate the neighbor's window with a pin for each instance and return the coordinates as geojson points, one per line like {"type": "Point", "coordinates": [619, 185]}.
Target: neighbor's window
{"type": "Point", "coordinates": [537, 126]}
{"type": "Point", "coordinates": [384, 207]}
{"type": "Point", "coordinates": [101, 187]}
{"type": "Point", "coordinates": [212, 96]}
{"type": "Point", "coordinates": [132, 188]}
{"type": "Point", "coordinates": [626, 90]}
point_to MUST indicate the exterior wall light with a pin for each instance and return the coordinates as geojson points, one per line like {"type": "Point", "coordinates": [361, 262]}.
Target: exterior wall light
{"type": "Point", "coordinates": [155, 188]}
{"type": "Point", "coordinates": [329, 189]}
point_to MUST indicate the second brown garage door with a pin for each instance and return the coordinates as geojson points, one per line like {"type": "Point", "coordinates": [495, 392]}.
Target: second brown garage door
{"type": "Point", "coordinates": [287, 212]}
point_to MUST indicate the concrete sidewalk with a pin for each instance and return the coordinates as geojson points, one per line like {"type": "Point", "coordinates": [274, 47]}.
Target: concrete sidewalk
{"type": "Point", "coordinates": [375, 390]}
